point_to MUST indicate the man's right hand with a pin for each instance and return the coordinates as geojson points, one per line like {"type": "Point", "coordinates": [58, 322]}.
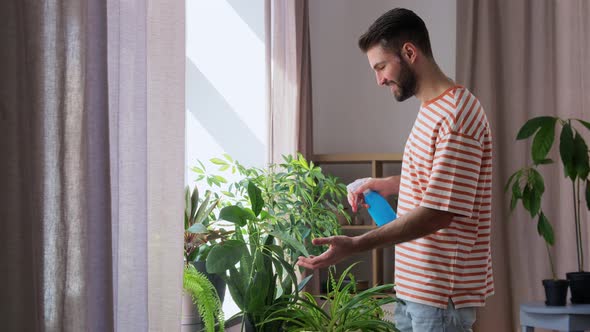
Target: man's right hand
{"type": "Point", "coordinates": [340, 248]}
{"type": "Point", "coordinates": [383, 186]}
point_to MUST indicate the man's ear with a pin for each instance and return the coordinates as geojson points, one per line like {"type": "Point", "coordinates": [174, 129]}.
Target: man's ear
{"type": "Point", "coordinates": [410, 52]}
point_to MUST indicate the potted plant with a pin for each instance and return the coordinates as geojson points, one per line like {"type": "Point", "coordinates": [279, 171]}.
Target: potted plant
{"type": "Point", "coordinates": [205, 297]}
{"type": "Point", "coordinates": [528, 186]}
{"type": "Point", "coordinates": [252, 263]}
{"type": "Point", "coordinates": [204, 292]}
{"type": "Point", "coordinates": [304, 202]}
{"type": "Point", "coordinates": [342, 310]}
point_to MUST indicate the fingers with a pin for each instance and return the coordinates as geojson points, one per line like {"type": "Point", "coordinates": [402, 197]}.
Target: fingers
{"type": "Point", "coordinates": [313, 262]}
{"type": "Point", "coordinates": [352, 201]}
{"type": "Point", "coordinates": [356, 198]}
{"type": "Point", "coordinates": [322, 241]}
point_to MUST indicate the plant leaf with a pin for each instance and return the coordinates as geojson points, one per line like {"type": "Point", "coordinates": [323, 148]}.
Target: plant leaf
{"type": "Point", "coordinates": [255, 195]}
{"type": "Point", "coordinates": [194, 201]}
{"type": "Point", "coordinates": [219, 179]}
{"type": "Point", "coordinates": [586, 124]}
{"type": "Point", "coordinates": [545, 230]}
{"type": "Point", "coordinates": [545, 161]}
{"type": "Point", "coordinates": [235, 214]}
{"type": "Point", "coordinates": [218, 161]}
{"type": "Point", "coordinates": [236, 287]}
{"type": "Point", "coordinates": [224, 256]}
{"type": "Point", "coordinates": [227, 193]}
{"type": "Point", "coordinates": [543, 141]}
{"type": "Point", "coordinates": [537, 181]}
{"type": "Point", "coordinates": [513, 202]}
{"type": "Point", "coordinates": [532, 125]}
{"type": "Point", "coordinates": [310, 181]}
{"type": "Point", "coordinates": [535, 202]}
{"type": "Point", "coordinates": [566, 150]}
{"type": "Point", "coordinates": [197, 228]}
{"type": "Point", "coordinates": [304, 282]}
{"type": "Point", "coordinates": [204, 210]}
{"type": "Point", "coordinates": [187, 207]}
{"type": "Point", "coordinates": [228, 157]}
{"type": "Point", "coordinates": [581, 157]}
{"type": "Point", "coordinates": [526, 198]}
{"type": "Point", "coordinates": [291, 241]}
{"type": "Point", "coordinates": [516, 192]}
{"type": "Point", "coordinates": [257, 291]}
{"type": "Point", "coordinates": [197, 170]}
{"type": "Point", "coordinates": [514, 175]}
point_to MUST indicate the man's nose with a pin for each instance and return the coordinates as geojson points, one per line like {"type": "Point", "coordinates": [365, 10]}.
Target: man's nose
{"type": "Point", "coordinates": [381, 80]}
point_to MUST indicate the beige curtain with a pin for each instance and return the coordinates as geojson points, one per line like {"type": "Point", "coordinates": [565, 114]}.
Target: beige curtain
{"type": "Point", "coordinates": [289, 78]}
{"type": "Point", "coordinates": [91, 102]}
{"type": "Point", "coordinates": [525, 59]}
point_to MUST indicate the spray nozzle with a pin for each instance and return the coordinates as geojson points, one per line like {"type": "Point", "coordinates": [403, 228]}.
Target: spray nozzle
{"type": "Point", "coordinates": [352, 187]}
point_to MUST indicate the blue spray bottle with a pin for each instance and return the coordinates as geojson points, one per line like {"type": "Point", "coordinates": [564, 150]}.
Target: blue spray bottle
{"type": "Point", "coordinates": [379, 208]}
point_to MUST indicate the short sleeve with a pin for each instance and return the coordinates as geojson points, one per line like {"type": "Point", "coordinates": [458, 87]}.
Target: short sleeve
{"type": "Point", "coordinates": [453, 181]}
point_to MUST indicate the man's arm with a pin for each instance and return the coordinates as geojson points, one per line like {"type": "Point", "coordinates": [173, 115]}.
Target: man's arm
{"type": "Point", "coordinates": [416, 224]}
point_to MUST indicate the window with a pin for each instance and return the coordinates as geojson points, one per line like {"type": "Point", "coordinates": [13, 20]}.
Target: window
{"type": "Point", "coordinates": [225, 86]}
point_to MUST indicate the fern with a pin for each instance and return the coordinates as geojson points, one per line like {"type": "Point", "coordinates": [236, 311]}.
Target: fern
{"type": "Point", "coordinates": [205, 297]}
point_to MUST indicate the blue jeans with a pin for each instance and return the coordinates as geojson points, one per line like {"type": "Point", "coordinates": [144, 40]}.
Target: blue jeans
{"type": "Point", "coordinates": [418, 317]}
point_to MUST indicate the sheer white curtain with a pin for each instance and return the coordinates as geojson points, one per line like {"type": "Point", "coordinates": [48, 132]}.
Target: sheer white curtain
{"type": "Point", "coordinates": [289, 78]}
{"type": "Point", "coordinates": [92, 123]}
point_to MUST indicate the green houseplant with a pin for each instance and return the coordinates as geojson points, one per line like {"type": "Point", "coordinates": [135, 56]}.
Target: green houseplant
{"type": "Point", "coordinates": [203, 289]}
{"type": "Point", "coordinates": [342, 310]}
{"type": "Point", "coordinates": [252, 263]}
{"type": "Point", "coordinates": [528, 186]}
{"type": "Point", "coordinates": [302, 201]}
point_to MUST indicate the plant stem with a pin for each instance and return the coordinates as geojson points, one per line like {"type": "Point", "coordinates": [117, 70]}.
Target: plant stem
{"type": "Point", "coordinates": [551, 262]}
{"type": "Point", "coordinates": [578, 231]}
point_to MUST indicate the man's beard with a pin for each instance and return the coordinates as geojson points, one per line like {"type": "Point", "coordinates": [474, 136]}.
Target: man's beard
{"type": "Point", "coordinates": [406, 82]}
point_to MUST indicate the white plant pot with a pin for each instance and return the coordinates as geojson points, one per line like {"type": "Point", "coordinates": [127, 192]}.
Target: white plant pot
{"type": "Point", "coordinates": [190, 319]}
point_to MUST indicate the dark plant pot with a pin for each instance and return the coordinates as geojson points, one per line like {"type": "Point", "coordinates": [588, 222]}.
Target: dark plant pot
{"type": "Point", "coordinates": [555, 292]}
{"type": "Point", "coordinates": [216, 280]}
{"type": "Point", "coordinates": [241, 324]}
{"type": "Point", "coordinates": [579, 287]}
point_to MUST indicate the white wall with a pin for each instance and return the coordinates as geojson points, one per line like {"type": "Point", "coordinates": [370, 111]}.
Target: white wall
{"type": "Point", "coordinates": [351, 112]}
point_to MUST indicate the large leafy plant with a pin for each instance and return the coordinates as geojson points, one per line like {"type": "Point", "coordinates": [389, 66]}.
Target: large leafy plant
{"type": "Point", "coordinates": [302, 201]}
{"type": "Point", "coordinates": [342, 310]}
{"type": "Point", "coordinates": [251, 262]}
{"type": "Point", "coordinates": [527, 184]}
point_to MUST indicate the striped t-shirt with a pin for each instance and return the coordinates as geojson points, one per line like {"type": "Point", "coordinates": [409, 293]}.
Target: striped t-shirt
{"type": "Point", "coordinates": [447, 165]}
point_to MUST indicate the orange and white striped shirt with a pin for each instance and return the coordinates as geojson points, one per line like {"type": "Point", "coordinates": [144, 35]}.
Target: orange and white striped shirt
{"type": "Point", "coordinates": [447, 165]}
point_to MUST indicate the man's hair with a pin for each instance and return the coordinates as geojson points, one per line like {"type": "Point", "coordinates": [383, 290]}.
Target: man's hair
{"type": "Point", "coordinates": [394, 28]}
